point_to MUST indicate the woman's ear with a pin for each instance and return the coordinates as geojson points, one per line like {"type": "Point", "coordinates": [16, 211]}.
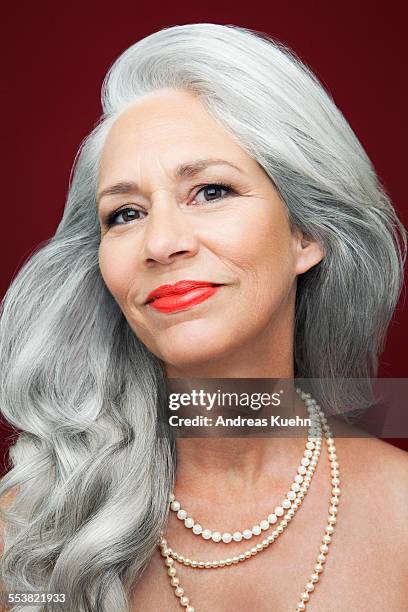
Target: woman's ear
{"type": "Point", "coordinates": [308, 252]}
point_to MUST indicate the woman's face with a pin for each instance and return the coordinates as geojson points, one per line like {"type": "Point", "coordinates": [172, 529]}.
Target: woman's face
{"type": "Point", "coordinates": [184, 202]}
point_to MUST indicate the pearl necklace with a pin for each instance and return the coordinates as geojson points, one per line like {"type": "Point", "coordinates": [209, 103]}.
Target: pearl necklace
{"type": "Point", "coordinates": [170, 556]}
{"type": "Point", "coordinates": [287, 503]}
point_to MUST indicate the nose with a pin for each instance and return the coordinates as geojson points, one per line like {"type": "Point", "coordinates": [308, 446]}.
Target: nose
{"type": "Point", "coordinates": [169, 234]}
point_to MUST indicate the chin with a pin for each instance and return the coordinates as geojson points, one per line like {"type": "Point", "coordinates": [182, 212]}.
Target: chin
{"type": "Point", "coordinates": [192, 343]}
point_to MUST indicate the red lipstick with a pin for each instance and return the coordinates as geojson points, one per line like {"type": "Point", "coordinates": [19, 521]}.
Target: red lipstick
{"type": "Point", "coordinates": [181, 295]}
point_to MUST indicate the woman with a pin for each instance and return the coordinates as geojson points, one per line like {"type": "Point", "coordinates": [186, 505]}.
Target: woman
{"type": "Point", "coordinates": [219, 159]}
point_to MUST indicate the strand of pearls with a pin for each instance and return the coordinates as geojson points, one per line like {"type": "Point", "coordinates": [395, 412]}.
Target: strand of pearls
{"type": "Point", "coordinates": [248, 554]}
{"type": "Point", "coordinates": [303, 471]}
{"type": "Point", "coordinates": [169, 555]}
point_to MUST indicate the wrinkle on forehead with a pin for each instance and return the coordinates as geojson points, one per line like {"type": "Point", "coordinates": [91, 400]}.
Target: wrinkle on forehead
{"type": "Point", "coordinates": [163, 130]}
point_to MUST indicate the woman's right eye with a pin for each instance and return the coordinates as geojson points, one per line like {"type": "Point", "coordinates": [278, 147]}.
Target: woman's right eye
{"type": "Point", "coordinates": [130, 214]}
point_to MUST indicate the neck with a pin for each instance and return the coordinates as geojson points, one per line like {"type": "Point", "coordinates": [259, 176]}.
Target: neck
{"type": "Point", "coordinates": [209, 465]}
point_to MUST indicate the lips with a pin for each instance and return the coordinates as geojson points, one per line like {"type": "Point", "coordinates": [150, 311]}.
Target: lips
{"type": "Point", "coordinates": [183, 294]}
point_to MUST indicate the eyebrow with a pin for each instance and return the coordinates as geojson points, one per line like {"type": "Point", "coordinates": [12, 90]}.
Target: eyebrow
{"type": "Point", "coordinates": [183, 170]}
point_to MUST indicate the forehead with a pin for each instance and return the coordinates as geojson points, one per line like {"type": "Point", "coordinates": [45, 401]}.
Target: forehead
{"type": "Point", "coordinates": [170, 125]}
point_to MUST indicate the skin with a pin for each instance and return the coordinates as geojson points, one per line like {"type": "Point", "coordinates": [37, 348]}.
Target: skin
{"type": "Point", "coordinates": [244, 240]}
{"type": "Point", "coordinates": [244, 330]}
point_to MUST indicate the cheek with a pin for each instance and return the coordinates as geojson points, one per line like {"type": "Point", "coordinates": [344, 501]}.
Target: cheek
{"type": "Point", "coordinates": [258, 242]}
{"type": "Point", "coordinates": [116, 267]}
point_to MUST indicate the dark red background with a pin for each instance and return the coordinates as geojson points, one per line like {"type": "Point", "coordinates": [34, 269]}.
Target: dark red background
{"type": "Point", "coordinates": [55, 56]}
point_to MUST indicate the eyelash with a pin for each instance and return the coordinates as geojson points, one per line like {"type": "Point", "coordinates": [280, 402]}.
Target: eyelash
{"type": "Point", "coordinates": [111, 218]}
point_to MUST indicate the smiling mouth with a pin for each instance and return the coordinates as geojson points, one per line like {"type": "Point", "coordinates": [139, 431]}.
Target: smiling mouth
{"type": "Point", "coordinates": [182, 300]}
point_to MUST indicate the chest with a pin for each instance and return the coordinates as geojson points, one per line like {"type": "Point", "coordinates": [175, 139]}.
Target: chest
{"type": "Point", "coordinates": [361, 573]}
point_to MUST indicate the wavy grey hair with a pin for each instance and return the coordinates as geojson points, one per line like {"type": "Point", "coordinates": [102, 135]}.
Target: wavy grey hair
{"type": "Point", "coordinates": [93, 468]}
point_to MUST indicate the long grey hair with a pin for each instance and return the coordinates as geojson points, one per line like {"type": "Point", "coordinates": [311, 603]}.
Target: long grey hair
{"type": "Point", "coordinates": [93, 468]}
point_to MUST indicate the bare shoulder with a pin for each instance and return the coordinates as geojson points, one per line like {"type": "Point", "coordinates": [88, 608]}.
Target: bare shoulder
{"type": "Point", "coordinates": [5, 501]}
{"type": "Point", "coordinates": [377, 474]}
{"type": "Point", "coordinates": [8, 498]}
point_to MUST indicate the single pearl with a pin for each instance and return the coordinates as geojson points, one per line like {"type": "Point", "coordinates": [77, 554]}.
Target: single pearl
{"type": "Point", "coordinates": [182, 514]}
{"type": "Point", "coordinates": [256, 530]}
{"type": "Point", "coordinates": [189, 522]}
{"type": "Point", "coordinates": [247, 533]}
{"type": "Point", "coordinates": [226, 537]}
{"type": "Point", "coordinates": [197, 529]}
{"type": "Point", "coordinates": [272, 518]}
{"type": "Point", "coordinates": [175, 505]}
{"type": "Point", "coordinates": [171, 571]}
{"type": "Point", "coordinates": [264, 525]}
{"type": "Point", "coordinates": [179, 591]}
{"type": "Point", "coordinates": [286, 504]}
{"type": "Point", "coordinates": [216, 536]}
{"type": "Point", "coordinates": [278, 511]}
{"type": "Point", "coordinates": [175, 581]}
{"type": "Point", "coordinates": [237, 536]}
{"type": "Point", "coordinates": [184, 601]}
{"type": "Point", "coordinates": [206, 534]}
{"type": "Point", "coordinates": [190, 609]}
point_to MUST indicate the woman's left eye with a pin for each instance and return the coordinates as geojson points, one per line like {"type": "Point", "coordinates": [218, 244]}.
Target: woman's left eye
{"type": "Point", "coordinates": [213, 192]}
